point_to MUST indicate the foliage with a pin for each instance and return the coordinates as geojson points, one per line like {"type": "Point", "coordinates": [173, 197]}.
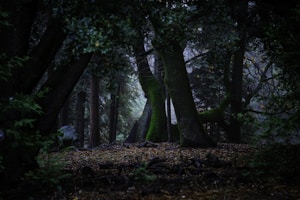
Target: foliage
{"type": "Point", "coordinates": [142, 174]}
{"type": "Point", "coordinates": [281, 48]}
{"type": "Point", "coordinates": [20, 133]}
{"type": "Point", "coordinates": [9, 64]}
{"type": "Point", "coordinates": [4, 19]}
{"type": "Point", "coordinates": [277, 114]}
{"type": "Point", "coordinates": [172, 24]}
{"type": "Point", "coordinates": [276, 162]}
{"type": "Point", "coordinates": [49, 174]}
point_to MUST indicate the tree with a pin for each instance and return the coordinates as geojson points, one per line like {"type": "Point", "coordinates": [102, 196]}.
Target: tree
{"type": "Point", "coordinates": [59, 86]}
{"type": "Point", "coordinates": [155, 93]}
{"type": "Point", "coordinates": [64, 114]}
{"type": "Point", "coordinates": [80, 119]}
{"type": "Point", "coordinates": [114, 107]}
{"type": "Point", "coordinates": [140, 128]}
{"type": "Point", "coordinates": [94, 112]}
{"type": "Point", "coordinates": [29, 63]}
{"type": "Point", "coordinates": [169, 35]}
{"type": "Point", "coordinates": [192, 132]}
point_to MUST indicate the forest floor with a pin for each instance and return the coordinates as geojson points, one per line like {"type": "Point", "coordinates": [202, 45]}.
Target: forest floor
{"type": "Point", "coordinates": [160, 171]}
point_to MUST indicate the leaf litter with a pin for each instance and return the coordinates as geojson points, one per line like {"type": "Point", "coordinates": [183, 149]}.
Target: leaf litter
{"type": "Point", "coordinates": [164, 171]}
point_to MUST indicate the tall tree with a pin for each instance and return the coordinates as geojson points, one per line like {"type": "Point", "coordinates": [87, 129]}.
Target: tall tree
{"type": "Point", "coordinates": [169, 34]}
{"type": "Point", "coordinates": [27, 63]}
{"type": "Point", "coordinates": [64, 114]}
{"type": "Point", "coordinates": [80, 120]}
{"type": "Point", "coordinates": [240, 13]}
{"type": "Point", "coordinates": [94, 139]}
{"type": "Point", "coordinates": [114, 107]}
{"type": "Point", "coordinates": [191, 130]}
{"type": "Point", "coordinates": [154, 91]}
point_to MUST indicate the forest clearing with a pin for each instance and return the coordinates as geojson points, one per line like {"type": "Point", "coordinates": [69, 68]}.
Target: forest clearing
{"type": "Point", "coordinates": [158, 171]}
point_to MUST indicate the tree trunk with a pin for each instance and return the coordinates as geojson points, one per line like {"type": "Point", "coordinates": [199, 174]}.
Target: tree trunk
{"type": "Point", "coordinates": [59, 86]}
{"type": "Point", "coordinates": [80, 120]}
{"type": "Point", "coordinates": [169, 117]}
{"type": "Point", "coordinates": [64, 118]}
{"type": "Point", "coordinates": [234, 133]}
{"type": "Point", "coordinates": [42, 55]}
{"type": "Point", "coordinates": [114, 106]}
{"type": "Point", "coordinates": [18, 157]}
{"type": "Point", "coordinates": [94, 112]}
{"type": "Point", "coordinates": [176, 78]}
{"type": "Point", "coordinates": [140, 128]}
{"type": "Point", "coordinates": [154, 91]}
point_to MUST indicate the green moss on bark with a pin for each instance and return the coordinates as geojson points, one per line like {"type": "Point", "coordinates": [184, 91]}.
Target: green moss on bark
{"type": "Point", "coordinates": [216, 114]}
{"type": "Point", "coordinates": [157, 129]}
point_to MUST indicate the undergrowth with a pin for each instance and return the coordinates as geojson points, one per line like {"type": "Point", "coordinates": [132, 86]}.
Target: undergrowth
{"type": "Point", "coordinates": [276, 162]}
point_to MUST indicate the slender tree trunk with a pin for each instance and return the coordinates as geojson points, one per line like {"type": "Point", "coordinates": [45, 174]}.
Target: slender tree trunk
{"type": "Point", "coordinates": [234, 133]}
{"type": "Point", "coordinates": [64, 118]}
{"type": "Point", "coordinates": [94, 112]}
{"type": "Point", "coordinates": [114, 107]}
{"type": "Point", "coordinates": [80, 120]}
{"type": "Point", "coordinates": [176, 78]}
{"type": "Point", "coordinates": [240, 13]}
{"type": "Point", "coordinates": [169, 118]}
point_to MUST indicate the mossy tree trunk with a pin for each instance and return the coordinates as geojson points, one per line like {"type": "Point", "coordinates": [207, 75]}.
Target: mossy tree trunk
{"type": "Point", "coordinates": [176, 79]}
{"type": "Point", "coordinates": [157, 131]}
{"type": "Point", "coordinates": [217, 114]}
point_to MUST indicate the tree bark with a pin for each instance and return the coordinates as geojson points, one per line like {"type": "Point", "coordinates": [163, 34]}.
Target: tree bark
{"type": "Point", "coordinates": [42, 55]}
{"type": "Point", "coordinates": [154, 91]}
{"type": "Point", "coordinates": [176, 79]}
{"type": "Point", "coordinates": [94, 112]}
{"type": "Point", "coordinates": [80, 120]}
{"type": "Point", "coordinates": [140, 128]}
{"type": "Point", "coordinates": [59, 86]}
{"type": "Point", "coordinates": [169, 117]}
{"type": "Point", "coordinates": [64, 118]}
{"type": "Point", "coordinates": [234, 133]}
{"type": "Point", "coordinates": [114, 107]}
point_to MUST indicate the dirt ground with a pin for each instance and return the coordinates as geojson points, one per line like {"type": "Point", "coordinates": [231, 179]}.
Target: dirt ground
{"type": "Point", "coordinates": [163, 171]}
